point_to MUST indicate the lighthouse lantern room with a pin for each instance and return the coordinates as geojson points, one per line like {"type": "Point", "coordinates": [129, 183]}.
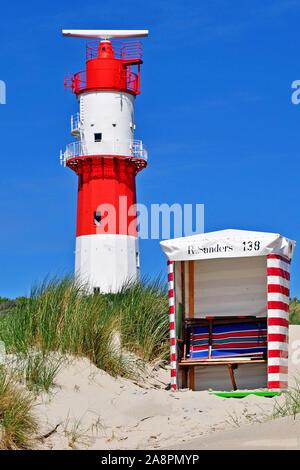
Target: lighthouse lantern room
{"type": "Point", "coordinates": [106, 157]}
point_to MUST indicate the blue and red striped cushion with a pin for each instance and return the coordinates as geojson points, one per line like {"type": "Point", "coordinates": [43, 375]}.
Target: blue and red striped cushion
{"type": "Point", "coordinates": [229, 340]}
{"type": "Point", "coordinates": [239, 338]}
{"type": "Point", "coordinates": [199, 337]}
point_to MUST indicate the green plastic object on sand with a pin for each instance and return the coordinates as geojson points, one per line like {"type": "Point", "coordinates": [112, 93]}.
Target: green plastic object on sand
{"type": "Point", "coordinates": [244, 394]}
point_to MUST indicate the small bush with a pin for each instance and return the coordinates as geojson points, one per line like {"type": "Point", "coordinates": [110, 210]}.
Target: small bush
{"type": "Point", "coordinates": [8, 305]}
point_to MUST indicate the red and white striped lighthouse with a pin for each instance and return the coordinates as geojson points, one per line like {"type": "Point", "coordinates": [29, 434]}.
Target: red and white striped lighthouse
{"type": "Point", "coordinates": [106, 158]}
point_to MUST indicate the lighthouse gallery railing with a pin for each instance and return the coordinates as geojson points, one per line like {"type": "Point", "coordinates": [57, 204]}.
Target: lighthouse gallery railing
{"type": "Point", "coordinates": [78, 149]}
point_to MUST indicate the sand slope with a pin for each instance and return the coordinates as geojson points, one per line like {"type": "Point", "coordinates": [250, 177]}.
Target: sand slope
{"type": "Point", "coordinates": [92, 410]}
{"type": "Point", "coordinates": [279, 434]}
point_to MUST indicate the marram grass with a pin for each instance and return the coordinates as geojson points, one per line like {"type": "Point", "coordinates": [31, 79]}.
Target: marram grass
{"type": "Point", "coordinates": [142, 310]}
{"type": "Point", "coordinates": [17, 422]}
{"type": "Point", "coordinates": [294, 311]}
{"type": "Point", "coordinates": [61, 316]}
{"type": "Point", "coordinates": [117, 332]}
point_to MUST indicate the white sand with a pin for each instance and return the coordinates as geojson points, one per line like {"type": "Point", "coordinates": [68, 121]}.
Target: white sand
{"type": "Point", "coordinates": [278, 434]}
{"type": "Point", "coordinates": [95, 411]}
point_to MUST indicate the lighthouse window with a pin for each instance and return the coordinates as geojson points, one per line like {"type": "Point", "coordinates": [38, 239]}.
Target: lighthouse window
{"type": "Point", "coordinates": [98, 136]}
{"type": "Point", "coordinates": [97, 218]}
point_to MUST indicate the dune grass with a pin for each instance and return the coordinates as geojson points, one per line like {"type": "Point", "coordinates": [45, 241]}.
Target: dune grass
{"type": "Point", "coordinates": [290, 406]}
{"type": "Point", "coordinates": [40, 370]}
{"type": "Point", "coordinates": [142, 310]}
{"type": "Point", "coordinates": [294, 311]}
{"type": "Point", "coordinates": [17, 422]}
{"type": "Point", "coordinates": [61, 316]}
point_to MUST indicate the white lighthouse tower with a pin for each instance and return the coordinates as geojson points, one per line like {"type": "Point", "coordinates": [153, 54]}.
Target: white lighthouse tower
{"type": "Point", "coordinates": [106, 157]}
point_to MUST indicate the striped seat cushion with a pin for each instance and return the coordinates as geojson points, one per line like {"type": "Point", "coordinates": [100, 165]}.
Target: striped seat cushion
{"type": "Point", "coordinates": [239, 339]}
{"type": "Point", "coordinates": [229, 340]}
{"type": "Point", "coordinates": [199, 337]}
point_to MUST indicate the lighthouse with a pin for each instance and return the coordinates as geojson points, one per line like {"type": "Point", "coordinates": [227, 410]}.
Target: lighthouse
{"type": "Point", "coordinates": [106, 158]}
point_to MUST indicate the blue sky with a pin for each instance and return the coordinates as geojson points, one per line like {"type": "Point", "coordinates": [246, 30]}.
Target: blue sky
{"type": "Point", "coordinates": [215, 113]}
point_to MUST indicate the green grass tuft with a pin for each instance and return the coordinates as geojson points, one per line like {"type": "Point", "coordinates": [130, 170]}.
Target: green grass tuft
{"type": "Point", "coordinates": [291, 403]}
{"type": "Point", "coordinates": [17, 422]}
{"type": "Point", "coordinates": [294, 311]}
{"type": "Point", "coordinates": [41, 370]}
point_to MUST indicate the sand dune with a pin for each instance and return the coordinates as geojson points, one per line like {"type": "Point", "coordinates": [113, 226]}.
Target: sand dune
{"type": "Point", "coordinates": [279, 434]}
{"type": "Point", "coordinates": [91, 410]}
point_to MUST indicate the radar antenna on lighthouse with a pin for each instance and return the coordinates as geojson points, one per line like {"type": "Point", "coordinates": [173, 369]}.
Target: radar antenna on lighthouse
{"type": "Point", "coordinates": [105, 33]}
{"type": "Point", "coordinates": [106, 157]}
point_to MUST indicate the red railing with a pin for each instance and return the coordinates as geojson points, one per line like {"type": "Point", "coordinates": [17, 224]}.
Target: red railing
{"type": "Point", "coordinates": [80, 81]}
{"type": "Point", "coordinates": [132, 50]}
{"type": "Point", "coordinates": [132, 81]}
{"type": "Point", "coordinates": [69, 82]}
{"type": "Point", "coordinates": [122, 50]}
{"type": "Point", "coordinates": [77, 82]}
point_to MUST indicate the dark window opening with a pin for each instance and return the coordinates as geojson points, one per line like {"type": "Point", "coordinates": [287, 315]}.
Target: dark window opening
{"type": "Point", "coordinates": [98, 136]}
{"type": "Point", "coordinates": [97, 218]}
